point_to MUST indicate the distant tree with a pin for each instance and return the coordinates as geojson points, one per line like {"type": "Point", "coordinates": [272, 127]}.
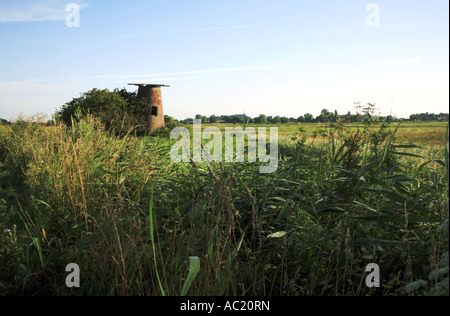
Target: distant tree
{"type": "Point", "coordinates": [274, 120]}
{"type": "Point", "coordinates": [352, 117]}
{"type": "Point", "coordinates": [187, 121]}
{"type": "Point", "coordinates": [261, 119]}
{"type": "Point", "coordinates": [325, 116]}
{"type": "Point", "coordinates": [301, 119]}
{"type": "Point", "coordinates": [348, 117]}
{"type": "Point", "coordinates": [334, 116]}
{"type": "Point", "coordinates": [284, 120]}
{"type": "Point", "coordinates": [170, 122]}
{"type": "Point", "coordinates": [309, 117]}
{"type": "Point", "coordinates": [237, 119]}
{"type": "Point", "coordinates": [201, 117]}
{"type": "Point", "coordinates": [213, 119]}
{"type": "Point", "coordinates": [325, 112]}
{"type": "Point", "coordinates": [389, 119]}
{"type": "Point", "coordinates": [429, 117]}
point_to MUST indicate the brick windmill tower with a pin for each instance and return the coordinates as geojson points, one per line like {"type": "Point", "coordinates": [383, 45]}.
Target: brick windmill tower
{"type": "Point", "coordinates": [150, 94]}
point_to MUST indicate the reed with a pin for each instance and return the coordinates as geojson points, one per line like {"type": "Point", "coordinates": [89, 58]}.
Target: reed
{"type": "Point", "coordinates": [138, 224]}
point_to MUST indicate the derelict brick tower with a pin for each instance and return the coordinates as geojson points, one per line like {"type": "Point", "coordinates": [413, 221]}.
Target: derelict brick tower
{"type": "Point", "coordinates": [151, 95]}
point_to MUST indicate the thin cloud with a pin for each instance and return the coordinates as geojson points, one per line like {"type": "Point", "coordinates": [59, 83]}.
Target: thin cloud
{"type": "Point", "coordinates": [395, 62]}
{"type": "Point", "coordinates": [22, 82]}
{"type": "Point", "coordinates": [220, 28]}
{"type": "Point", "coordinates": [174, 75]}
{"type": "Point", "coordinates": [211, 71]}
{"type": "Point", "coordinates": [27, 11]}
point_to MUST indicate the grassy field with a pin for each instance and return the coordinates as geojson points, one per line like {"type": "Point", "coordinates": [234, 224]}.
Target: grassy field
{"type": "Point", "coordinates": [420, 133]}
{"type": "Point", "coordinates": [136, 223]}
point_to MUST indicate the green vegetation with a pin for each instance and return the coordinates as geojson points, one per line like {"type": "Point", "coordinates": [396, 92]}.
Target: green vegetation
{"type": "Point", "coordinates": [364, 114]}
{"type": "Point", "coordinates": [119, 110]}
{"type": "Point", "coordinates": [4, 122]}
{"type": "Point", "coordinates": [344, 196]}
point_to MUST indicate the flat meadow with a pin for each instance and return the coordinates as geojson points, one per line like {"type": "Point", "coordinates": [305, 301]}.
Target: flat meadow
{"type": "Point", "coordinates": [344, 196]}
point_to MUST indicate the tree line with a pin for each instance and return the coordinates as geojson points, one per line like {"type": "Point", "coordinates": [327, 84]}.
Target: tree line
{"type": "Point", "coordinates": [429, 117]}
{"type": "Point", "coordinates": [325, 116]}
{"type": "Point", "coordinates": [120, 110]}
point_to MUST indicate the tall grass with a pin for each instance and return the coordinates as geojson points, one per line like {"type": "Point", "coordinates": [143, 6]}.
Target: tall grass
{"type": "Point", "coordinates": [137, 224]}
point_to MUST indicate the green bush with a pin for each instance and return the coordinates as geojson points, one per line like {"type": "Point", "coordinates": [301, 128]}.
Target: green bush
{"type": "Point", "coordinates": [118, 110]}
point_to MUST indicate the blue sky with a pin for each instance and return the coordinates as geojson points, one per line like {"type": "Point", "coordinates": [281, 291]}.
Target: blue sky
{"type": "Point", "coordinates": [273, 57]}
